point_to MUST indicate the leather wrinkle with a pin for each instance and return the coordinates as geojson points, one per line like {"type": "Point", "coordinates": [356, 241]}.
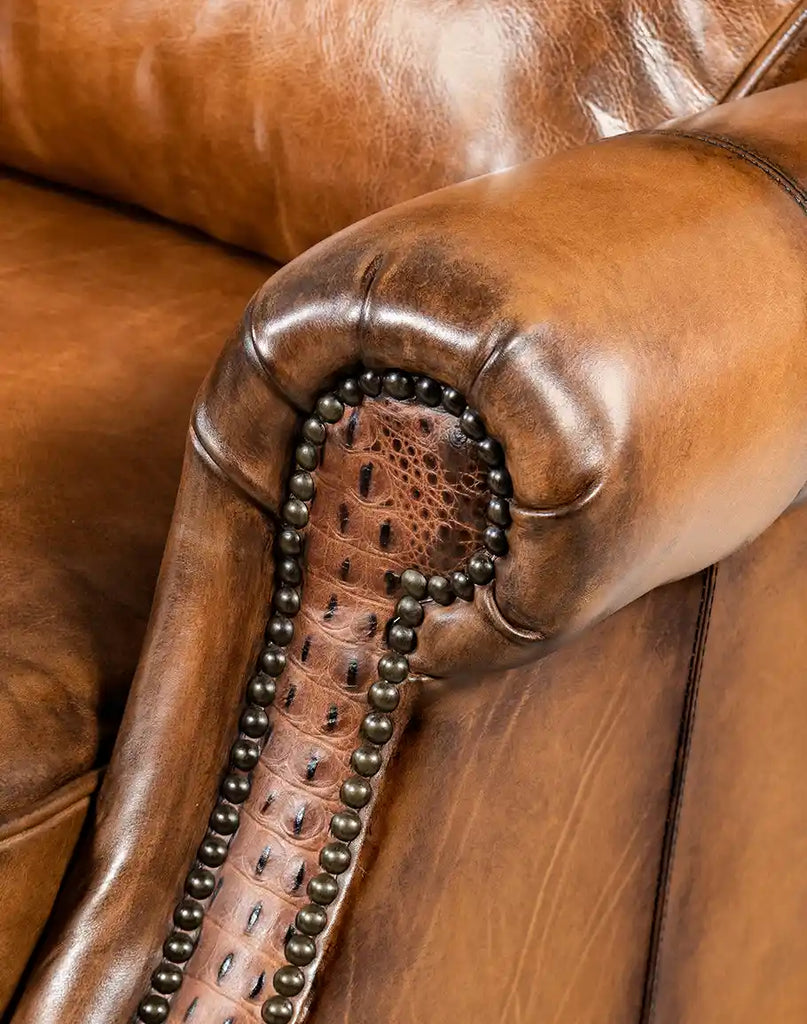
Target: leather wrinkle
{"type": "Point", "coordinates": [777, 174]}
{"type": "Point", "coordinates": [678, 790]}
{"type": "Point", "coordinates": [587, 491]}
{"type": "Point", "coordinates": [207, 452]}
{"type": "Point", "coordinates": [577, 503]}
{"type": "Point", "coordinates": [368, 279]}
{"type": "Point", "coordinates": [513, 632]}
{"type": "Point", "coordinates": [585, 495]}
{"type": "Point", "coordinates": [253, 351]}
{"type": "Point", "coordinates": [495, 348]}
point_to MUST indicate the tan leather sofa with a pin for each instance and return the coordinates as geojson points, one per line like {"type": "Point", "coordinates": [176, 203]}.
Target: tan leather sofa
{"type": "Point", "coordinates": [473, 686]}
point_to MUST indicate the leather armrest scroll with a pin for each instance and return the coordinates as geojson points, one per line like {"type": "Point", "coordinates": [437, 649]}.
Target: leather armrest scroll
{"type": "Point", "coordinates": [628, 320]}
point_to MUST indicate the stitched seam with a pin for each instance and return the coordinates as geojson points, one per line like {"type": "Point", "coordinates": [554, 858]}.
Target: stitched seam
{"type": "Point", "coordinates": [43, 814]}
{"type": "Point", "coordinates": [677, 793]}
{"type": "Point", "coordinates": [777, 174]}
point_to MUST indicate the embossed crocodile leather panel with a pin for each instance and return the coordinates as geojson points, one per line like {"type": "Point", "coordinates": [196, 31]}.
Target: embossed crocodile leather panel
{"type": "Point", "coordinates": [399, 473]}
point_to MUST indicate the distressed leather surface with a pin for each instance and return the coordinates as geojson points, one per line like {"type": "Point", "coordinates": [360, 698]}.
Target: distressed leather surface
{"type": "Point", "coordinates": [516, 866]}
{"type": "Point", "coordinates": [314, 114]}
{"type": "Point", "coordinates": [606, 314]}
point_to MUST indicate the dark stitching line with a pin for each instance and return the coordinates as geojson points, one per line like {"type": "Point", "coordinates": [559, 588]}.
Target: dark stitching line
{"type": "Point", "coordinates": [777, 174]}
{"type": "Point", "coordinates": [677, 793]}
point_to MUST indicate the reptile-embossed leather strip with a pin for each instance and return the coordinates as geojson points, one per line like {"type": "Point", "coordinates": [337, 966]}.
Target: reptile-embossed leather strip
{"type": "Point", "coordinates": [397, 499]}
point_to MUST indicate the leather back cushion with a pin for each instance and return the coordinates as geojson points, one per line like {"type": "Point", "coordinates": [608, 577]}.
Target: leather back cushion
{"type": "Point", "coordinates": [273, 123]}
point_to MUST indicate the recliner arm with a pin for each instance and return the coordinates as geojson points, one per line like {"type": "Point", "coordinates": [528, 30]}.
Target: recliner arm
{"type": "Point", "coordinates": [627, 321]}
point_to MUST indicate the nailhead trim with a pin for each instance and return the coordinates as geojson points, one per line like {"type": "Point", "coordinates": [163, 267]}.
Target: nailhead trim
{"type": "Point", "coordinates": [377, 727]}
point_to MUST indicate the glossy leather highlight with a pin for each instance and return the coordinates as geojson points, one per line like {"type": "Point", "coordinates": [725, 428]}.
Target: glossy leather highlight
{"type": "Point", "coordinates": [396, 98]}
{"type": "Point", "coordinates": [643, 484]}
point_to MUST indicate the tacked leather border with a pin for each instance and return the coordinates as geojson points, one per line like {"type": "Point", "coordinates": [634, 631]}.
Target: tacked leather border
{"type": "Point", "coordinates": [308, 938]}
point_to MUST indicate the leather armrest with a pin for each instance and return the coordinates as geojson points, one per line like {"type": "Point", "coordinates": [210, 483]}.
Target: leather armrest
{"type": "Point", "coordinates": [628, 320]}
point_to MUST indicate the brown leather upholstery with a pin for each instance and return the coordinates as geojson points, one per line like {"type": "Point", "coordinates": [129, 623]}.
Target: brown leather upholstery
{"type": "Point", "coordinates": [629, 320]}
{"type": "Point", "coordinates": [481, 286]}
{"type": "Point", "coordinates": [206, 112]}
{"type": "Point", "coordinates": [93, 300]}
{"type": "Point", "coordinates": [733, 945]}
{"type": "Point", "coordinates": [605, 313]}
{"type": "Point", "coordinates": [380, 507]}
{"type": "Point", "coordinates": [780, 61]}
{"type": "Point", "coordinates": [43, 837]}
{"type": "Point", "coordinates": [517, 867]}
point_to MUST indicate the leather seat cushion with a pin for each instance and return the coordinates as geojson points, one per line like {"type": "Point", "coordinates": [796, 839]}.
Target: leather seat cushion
{"type": "Point", "coordinates": [109, 322]}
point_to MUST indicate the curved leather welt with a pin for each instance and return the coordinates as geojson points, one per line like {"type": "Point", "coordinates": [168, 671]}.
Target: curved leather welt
{"type": "Point", "coordinates": [777, 59]}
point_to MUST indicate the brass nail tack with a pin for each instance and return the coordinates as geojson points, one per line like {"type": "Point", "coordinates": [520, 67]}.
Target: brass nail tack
{"type": "Point", "coordinates": [383, 695]}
